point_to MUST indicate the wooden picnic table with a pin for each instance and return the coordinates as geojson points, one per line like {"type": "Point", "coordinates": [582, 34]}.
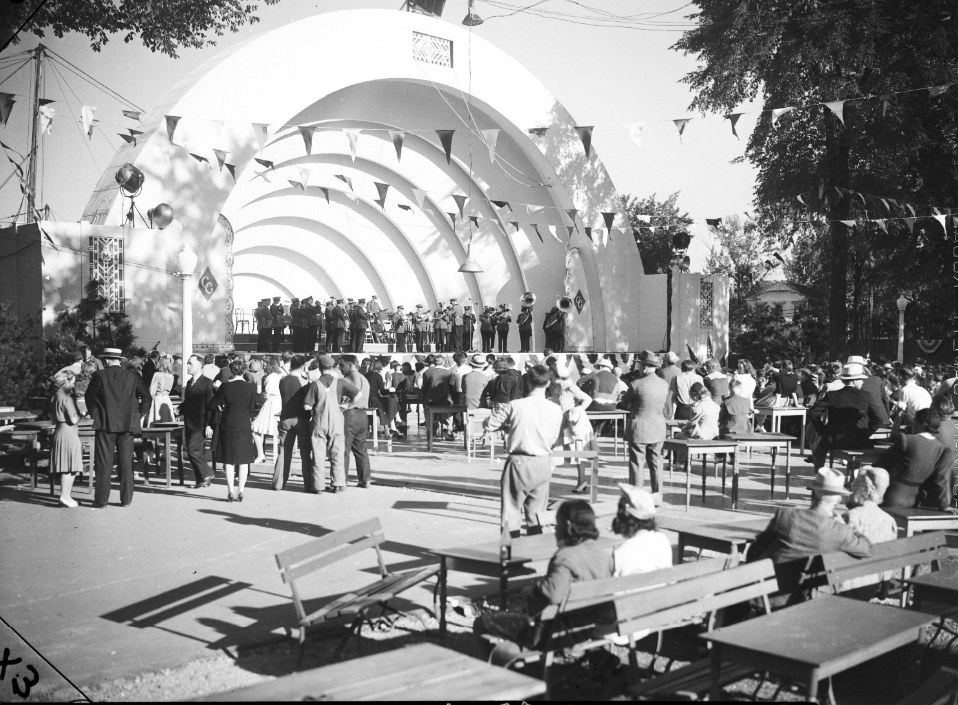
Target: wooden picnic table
{"type": "Point", "coordinates": [694, 447]}
{"type": "Point", "coordinates": [935, 593]}
{"type": "Point", "coordinates": [423, 672]}
{"type": "Point", "coordinates": [913, 521]}
{"type": "Point", "coordinates": [728, 537]}
{"type": "Point", "coordinates": [779, 412]}
{"type": "Point", "coordinates": [613, 415]}
{"type": "Point", "coordinates": [775, 441]}
{"type": "Point", "coordinates": [12, 417]}
{"type": "Point", "coordinates": [431, 410]}
{"type": "Point", "coordinates": [374, 415]}
{"type": "Point", "coordinates": [814, 640]}
{"type": "Point", "coordinates": [166, 431]}
{"type": "Point", "coordinates": [491, 560]}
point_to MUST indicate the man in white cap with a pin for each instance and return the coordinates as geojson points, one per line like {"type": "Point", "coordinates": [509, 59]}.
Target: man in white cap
{"type": "Point", "coordinates": [853, 416]}
{"type": "Point", "coordinates": [645, 399]}
{"type": "Point", "coordinates": [874, 385]}
{"type": "Point", "coordinates": [475, 381]}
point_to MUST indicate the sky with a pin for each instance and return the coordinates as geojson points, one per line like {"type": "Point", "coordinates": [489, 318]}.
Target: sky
{"type": "Point", "coordinates": [605, 76]}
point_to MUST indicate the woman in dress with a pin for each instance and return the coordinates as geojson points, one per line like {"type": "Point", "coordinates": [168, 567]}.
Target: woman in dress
{"type": "Point", "coordinates": [382, 396]}
{"type": "Point", "coordinates": [81, 384]}
{"type": "Point", "coordinates": [919, 466]}
{"type": "Point", "coordinates": [577, 433]}
{"type": "Point", "coordinates": [266, 419]}
{"type": "Point", "coordinates": [745, 374]}
{"type": "Point", "coordinates": [234, 440]}
{"type": "Point", "coordinates": [704, 424]}
{"type": "Point", "coordinates": [66, 455]}
{"type": "Point", "coordinates": [161, 411]}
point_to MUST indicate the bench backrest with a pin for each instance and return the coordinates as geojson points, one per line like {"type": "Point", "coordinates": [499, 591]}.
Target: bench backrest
{"type": "Point", "coordinates": [929, 547]}
{"type": "Point", "coordinates": [672, 605]}
{"type": "Point", "coordinates": [326, 550]}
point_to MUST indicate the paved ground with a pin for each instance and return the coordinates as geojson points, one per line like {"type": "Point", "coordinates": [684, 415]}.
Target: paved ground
{"type": "Point", "coordinates": [183, 573]}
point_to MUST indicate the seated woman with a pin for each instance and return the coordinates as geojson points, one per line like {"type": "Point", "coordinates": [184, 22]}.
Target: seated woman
{"type": "Point", "coordinates": [578, 558]}
{"type": "Point", "coordinates": [704, 424]}
{"type": "Point", "coordinates": [866, 517]}
{"type": "Point", "coordinates": [645, 548]}
{"type": "Point", "coordinates": [919, 466]}
{"type": "Point", "coordinates": [716, 382]}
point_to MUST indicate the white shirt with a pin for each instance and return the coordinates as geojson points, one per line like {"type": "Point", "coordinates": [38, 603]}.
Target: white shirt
{"type": "Point", "coordinates": [914, 399]}
{"type": "Point", "coordinates": [461, 372]}
{"type": "Point", "coordinates": [748, 386]}
{"type": "Point", "coordinates": [643, 553]}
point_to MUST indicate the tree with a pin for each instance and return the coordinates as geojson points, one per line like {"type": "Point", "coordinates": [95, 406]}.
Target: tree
{"type": "Point", "coordinates": [162, 25]}
{"type": "Point", "coordinates": [738, 254]}
{"type": "Point", "coordinates": [654, 236]}
{"type": "Point", "coordinates": [807, 53]}
{"type": "Point", "coordinates": [19, 355]}
{"type": "Point", "coordinates": [90, 323]}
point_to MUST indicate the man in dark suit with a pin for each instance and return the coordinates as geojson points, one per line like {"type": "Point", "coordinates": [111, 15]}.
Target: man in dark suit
{"type": "Point", "coordinates": [645, 399]}
{"type": "Point", "coordinates": [196, 412]}
{"type": "Point", "coordinates": [149, 367]}
{"type": "Point", "coordinates": [874, 385]}
{"type": "Point", "coordinates": [338, 317]}
{"type": "Point", "coordinates": [294, 427]}
{"type": "Point", "coordinates": [264, 326]}
{"type": "Point", "coordinates": [276, 313]}
{"type": "Point", "coordinates": [360, 322]}
{"type": "Point", "coordinates": [117, 400]}
{"type": "Point", "coordinates": [328, 326]}
{"type": "Point", "coordinates": [853, 415]}
{"type": "Point", "coordinates": [400, 328]}
{"type": "Point", "coordinates": [311, 314]}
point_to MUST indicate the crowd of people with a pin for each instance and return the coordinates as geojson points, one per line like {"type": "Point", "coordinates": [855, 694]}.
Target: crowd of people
{"type": "Point", "coordinates": [342, 325]}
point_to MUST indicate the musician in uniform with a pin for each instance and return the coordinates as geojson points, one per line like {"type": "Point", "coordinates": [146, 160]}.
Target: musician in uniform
{"type": "Point", "coordinates": [311, 314]}
{"type": "Point", "coordinates": [329, 325]}
{"type": "Point", "coordinates": [524, 324]}
{"type": "Point", "coordinates": [277, 313]}
{"type": "Point", "coordinates": [296, 325]}
{"type": "Point", "coordinates": [455, 338]}
{"type": "Point", "coordinates": [400, 328]}
{"type": "Point", "coordinates": [338, 317]}
{"type": "Point", "coordinates": [347, 342]}
{"type": "Point", "coordinates": [468, 327]}
{"type": "Point", "coordinates": [419, 327]}
{"type": "Point", "coordinates": [374, 308]}
{"type": "Point", "coordinates": [503, 319]}
{"type": "Point", "coordinates": [360, 322]}
{"type": "Point", "coordinates": [439, 327]}
{"type": "Point", "coordinates": [264, 326]}
{"type": "Point", "coordinates": [487, 329]}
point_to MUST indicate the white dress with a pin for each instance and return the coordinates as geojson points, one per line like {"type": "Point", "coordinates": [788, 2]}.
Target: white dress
{"type": "Point", "coordinates": [265, 422]}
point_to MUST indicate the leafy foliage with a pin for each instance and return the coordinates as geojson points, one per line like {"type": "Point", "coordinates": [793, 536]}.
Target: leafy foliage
{"type": "Point", "coordinates": [739, 254]}
{"type": "Point", "coordinates": [19, 355]}
{"type": "Point", "coordinates": [162, 25]}
{"type": "Point", "coordinates": [90, 323]}
{"type": "Point", "coordinates": [654, 238]}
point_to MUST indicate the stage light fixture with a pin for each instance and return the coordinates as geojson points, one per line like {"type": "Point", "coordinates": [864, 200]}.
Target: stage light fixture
{"type": "Point", "coordinates": [470, 266]}
{"type": "Point", "coordinates": [681, 240]}
{"type": "Point", "coordinates": [472, 19]}
{"type": "Point", "coordinates": [161, 216]}
{"type": "Point", "coordinates": [130, 179]}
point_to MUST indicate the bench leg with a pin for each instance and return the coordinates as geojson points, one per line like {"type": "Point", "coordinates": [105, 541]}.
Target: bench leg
{"type": "Point", "coordinates": [356, 627]}
{"type": "Point", "coordinates": [302, 648]}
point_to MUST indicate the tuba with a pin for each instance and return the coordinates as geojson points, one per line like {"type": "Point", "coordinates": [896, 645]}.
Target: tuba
{"type": "Point", "coordinates": [564, 304]}
{"type": "Point", "coordinates": [529, 299]}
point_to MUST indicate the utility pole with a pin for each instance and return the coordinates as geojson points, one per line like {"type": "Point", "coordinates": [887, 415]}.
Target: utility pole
{"type": "Point", "coordinates": [35, 136]}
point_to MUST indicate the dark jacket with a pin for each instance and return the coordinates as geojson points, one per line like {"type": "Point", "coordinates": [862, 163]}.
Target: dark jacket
{"type": "Point", "coordinates": [853, 416]}
{"type": "Point", "coordinates": [733, 418]}
{"type": "Point", "coordinates": [875, 386]}
{"type": "Point", "coordinates": [645, 399]}
{"type": "Point", "coordinates": [920, 472]}
{"type": "Point", "coordinates": [117, 400]}
{"type": "Point", "coordinates": [437, 386]}
{"type": "Point", "coordinates": [292, 392]}
{"type": "Point", "coordinates": [195, 407]}
{"type": "Point", "coordinates": [795, 533]}
{"type": "Point", "coordinates": [338, 317]}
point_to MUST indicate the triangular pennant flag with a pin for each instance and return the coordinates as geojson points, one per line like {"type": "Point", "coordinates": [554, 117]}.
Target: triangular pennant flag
{"type": "Point", "coordinates": [445, 139]}
{"type": "Point", "coordinates": [585, 134]}
{"type": "Point", "coordinates": [6, 105]}
{"type": "Point", "coordinates": [777, 113]}
{"type": "Point", "coordinates": [571, 229]}
{"type": "Point", "coordinates": [46, 119]}
{"type": "Point", "coordinates": [837, 107]}
{"type": "Point", "coordinates": [307, 133]}
{"type": "Point", "coordinates": [380, 202]}
{"type": "Point", "coordinates": [635, 132]}
{"type": "Point", "coordinates": [636, 233]}
{"type": "Point", "coordinates": [608, 218]}
{"type": "Point", "coordinates": [733, 118]}
{"type": "Point", "coordinates": [45, 101]}
{"type": "Point", "coordinates": [397, 137]}
{"type": "Point", "coordinates": [86, 115]}
{"type": "Point", "coordinates": [538, 131]}
{"type": "Point", "coordinates": [129, 139]}
{"type": "Point", "coordinates": [220, 157]}
{"type": "Point", "coordinates": [132, 114]}
{"type": "Point", "coordinates": [536, 228]}
{"type": "Point", "coordinates": [345, 179]}
{"type": "Point", "coordinates": [515, 225]}
{"type": "Point", "coordinates": [864, 202]}
{"type": "Point", "coordinates": [910, 222]}
{"type": "Point", "coordinates": [778, 255]}
{"type": "Point", "coordinates": [297, 184]}
{"type": "Point", "coordinates": [885, 203]}
{"type": "Point", "coordinates": [644, 218]}
{"type": "Point", "coordinates": [452, 217]}
{"type": "Point", "coordinates": [881, 224]}
{"type": "Point", "coordinates": [554, 231]}
{"type": "Point", "coordinates": [502, 204]}
{"type": "Point", "coordinates": [261, 174]}
{"type": "Point", "coordinates": [588, 233]}
{"type": "Point", "coordinates": [171, 122]}
{"type": "Point", "coordinates": [910, 208]}
{"type": "Point", "coordinates": [419, 195]}
{"type": "Point", "coordinates": [572, 213]}
{"type": "Point", "coordinates": [935, 211]}
{"type": "Point", "coordinates": [460, 202]}
{"type": "Point", "coordinates": [474, 220]}
{"type": "Point", "coordinates": [231, 168]}
{"type": "Point", "coordinates": [304, 175]}
{"type": "Point", "coordinates": [325, 191]}
{"type": "Point", "coordinates": [134, 133]}
{"type": "Point", "coordinates": [848, 223]}
{"type": "Point", "coordinates": [265, 162]}
{"type": "Point", "coordinates": [382, 189]}
{"type": "Point", "coordinates": [491, 138]}
{"type": "Point", "coordinates": [936, 91]}
{"type": "Point", "coordinates": [405, 207]}
{"type": "Point", "coordinates": [259, 133]}
{"type": "Point", "coordinates": [353, 137]}
{"type": "Point", "coordinates": [680, 126]}
{"type": "Point", "coordinates": [941, 219]}
{"type": "Point", "coordinates": [713, 222]}
{"type": "Point", "coordinates": [199, 158]}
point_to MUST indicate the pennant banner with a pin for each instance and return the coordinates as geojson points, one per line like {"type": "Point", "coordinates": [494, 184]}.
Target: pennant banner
{"type": "Point", "coordinates": [491, 138]}
{"type": "Point", "coordinates": [680, 126]}
{"type": "Point", "coordinates": [554, 231]}
{"type": "Point", "coordinates": [307, 133]}
{"type": "Point", "coordinates": [353, 137]}
{"type": "Point", "coordinates": [445, 139]}
{"type": "Point", "coordinates": [536, 228]}
{"type": "Point", "coordinates": [936, 91]}
{"type": "Point", "coordinates": [941, 219]}
{"type": "Point", "coordinates": [881, 224]}
{"type": "Point", "coordinates": [397, 137]}
{"type": "Point", "coordinates": [474, 220]}
{"type": "Point", "coordinates": [171, 123]}
{"type": "Point", "coordinates": [460, 202]}
{"type": "Point", "coordinates": [259, 133]}
{"type": "Point", "coordinates": [132, 114]}
{"type": "Point", "coordinates": [265, 162]}
{"type": "Point", "coordinates": [325, 191]}
{"type": "Point", "coordinates": [585, 134]}
{"type": "Point", "coordinates": [46, 119]}
{"type": "Point", "coordinates": [538, 131]}
{"type": "Point", "coordinates": [405, 207]}
{"type": "Point", "coordinates": [571, 229]}
{"type": "Point", "coordinates": [502, 204]}
{"type": "Point", "coordinates": [837, 107]}
{"type": "Point", "coordinates": [777, 113]}
{"type": "Point", "coordinates": [733, 119]}
{"type": "Point", "coordinates": [199, 158]}
{"type": "Point", "coordinates": [419, 195]}
{"type": "Point", "coordinates": [635, 132]}
{"type": "Point", "coordinates": [608, 218]}
{"type": "Point", "coordinates": [345, 179]}
{"type": "Point", "coordinates": [231, 168]}
{"type": "Point", "coordinates": [304, 177]}
{"type": "Point", "coordinates": [452, 219]}
{"type": "Point", "coordinates": [297, 184]}
{"type": "Point", "coordinates": [910, 222]}
{"type": "Point", "coordinates": [382, 189]}
{"type": "Point", "coordinates": [515, 225]}
{"type": "Point", "coordinates": [86, 115]}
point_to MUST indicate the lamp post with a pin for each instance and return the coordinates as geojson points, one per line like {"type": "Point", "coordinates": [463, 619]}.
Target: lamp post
{"type": "Point", "coordinates": [902, 305]}
{"type": "Point", "coordinates": [186, 261]}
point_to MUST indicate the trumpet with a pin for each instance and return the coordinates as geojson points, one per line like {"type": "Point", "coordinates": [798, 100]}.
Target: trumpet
{"type": "Point", "coordinates": [529, 299]}
{"type": "Point", "coordinates": [564, 304]}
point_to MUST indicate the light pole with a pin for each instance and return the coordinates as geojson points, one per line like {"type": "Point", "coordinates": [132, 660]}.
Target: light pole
{"type": "Point", "coordinates": [186, 261]}
{"type": "Point", "coordinates": [902, 305]}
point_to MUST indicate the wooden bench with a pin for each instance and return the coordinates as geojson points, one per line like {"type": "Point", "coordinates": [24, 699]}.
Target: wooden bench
{"type": "Point", "coordinates": [296, 563]}
{"type": "Point", "coordinates": [901, 554]}
{"type": "Point", "coordinates": [686, 603]}
{"type": "Point", "coordinates": [940, 689]}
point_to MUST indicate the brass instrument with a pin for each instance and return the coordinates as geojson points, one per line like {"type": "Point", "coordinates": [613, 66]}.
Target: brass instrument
{"type": "Point", "coordinates": [564, 304]}
{"type": "Point", "coordinates": [529, 299]}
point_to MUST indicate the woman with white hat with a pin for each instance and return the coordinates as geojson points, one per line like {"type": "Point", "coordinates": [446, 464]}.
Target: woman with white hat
{"type": "Point", "coordinates": [645, 548]}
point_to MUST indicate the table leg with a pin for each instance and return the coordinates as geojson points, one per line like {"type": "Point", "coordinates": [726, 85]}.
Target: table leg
{"type": "Point", "coordinates": [428, 429]}
{"type": "Point", "coordinates": [811, 689]}
{"type": "Point", "coordinates": [801, 442]}
{"type": "Point", "coordinates": [735, 479]}
{"type": "Point", "coordinates": [681, 547]}
{"type": "Point", "coordinates": [715, 655]}
{"type": "Point", "coordinates": [615, 437]}
{"type": "Point", "coordinates": [705, 458]}
{"type": "Point", "coordinates": [33, 462]}
{"type": "Point", "coordinates": [771, 487]}
{"type": "Point", "coordinates": [90, 469]}
{"type": "Point", "coordinates": [688, 479]}
{"type": "Point", "coordinates": [503, 584]}
{"type": "Point", "coordinates": [375, 433]}
{"type": "Point", "coordinates": [724, 468]}
{"type": "Point", "coordinates": [168, 460]}
{"type": "Point", "coordinates": [443, 573]}
{"type": "Point", "coordinates": [179, 457]}
{"type": "Point", "coordinates": [788, 469]}
{"type": "Point", "coordinates": [595, 480]}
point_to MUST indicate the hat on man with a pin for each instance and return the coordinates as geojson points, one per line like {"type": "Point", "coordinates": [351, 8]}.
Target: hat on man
{"type": "Point", "coordinates": [374, 297]}
{"type": "Point", "coordinates": [308, 299]}
{"type": "Point", "coordinates": [295, 301]}
{"type": "Point", "coordinates": [672, 357]}
{"type": "Point", "coordinates": [277, 298]}
{"type": "Point", "coordinates": [650, 359]}
{"type": "Point", "coordinates": [639, 503]}
{"type": "Point", "coordinates": [350, 301]}
{"type": "Point", "coordinates": [888, 366]}
{"type": "Point", "coordinates": [112, 353]}
{"type": "Point", "coordinates": [478, 360]}
{"type": "Point", "coordinates": [604, 362]}
{"type": "Point", "coordinates": [339, 301]}
{"type": "Point", "coordinates": [453, 301]}
{"type": "Point", "coordinates": [419, 306]}
{"type": "Point", "coordinates": [467, 308]}
{"type": "Point", "coordinates": [853, 371]}
{"type": "Point", "coordinates": [828, 481]}
{"type": "Point", "coordinates": [362, 301]}
{"type": "Point", "coordinates": [400, 306]}
{"type": "Point", "coordinates": [855, 360]}
{"type": "Point", "coordinates": [326, 361]}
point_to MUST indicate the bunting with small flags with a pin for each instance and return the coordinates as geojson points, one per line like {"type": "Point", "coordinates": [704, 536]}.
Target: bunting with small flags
{"type": "Point", "coordinates": [733, 119]}
{"type": "Point", "coordinates": [88, 119]}
{"type": "Point", "coordinates": [680, 125]}
{"type": "Point", "coordinates": [381, 189]}
{"type": "Point", "coordinates": [837, 107]}
{"type": "Point", "coordinates": [460, 203]}
{"type": "Point", "coordinates": [353, 137]}
{"type": "Point", "coordinates": [419, 196]}
{"type": "Point", "coordinates": [132, 114]}
{"type": "Point", "coordinates": [585, 135]}
{"type": "Point", "coordinates": [264, 162]}
{"type": "Point", "coordinates": [397, 137]}
{"type": "Point", "coordinates": [635, 132]}
{"type": "Point", "coordinates": [345, 179]}
{"type": "Point", "coordinates": [171, 123]}
{"type": "Point", "coordinates": [307, 134]}
{"type": "Point", "coordinates": [220, 157]}
{"type": "Point", "coordinates": [491, 138]}
{"type": "Point", "coordinates": [445, 139]}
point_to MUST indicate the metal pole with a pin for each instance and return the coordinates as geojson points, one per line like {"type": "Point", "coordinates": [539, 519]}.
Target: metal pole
{"type": "Point", "coordinates": [34, 137]}
{"type": "Point", "coordinates": [187, 315]}
{"type": "Point", "coordinates": [901, 336]}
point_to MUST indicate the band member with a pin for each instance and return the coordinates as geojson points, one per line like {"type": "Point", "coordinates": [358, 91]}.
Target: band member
{"type": "Point", "coordinates": [347, 342]}
{"type": "Point", "coordinates": [524, 324]}
{"type": "Point", "coordinates": [311, 315]}
{"type": "Point", "coordinates": [277, 313]}
{"type": "Point", "coordinates": [455, 338]}
{"type": "Point", "coordinates": [419, 327]}
{"type": "Point", "coordinates": [552, 325]}
{"type": "Point", "coordinates": [377, 325]}
{"type": "Point", "coordinates": [338, 317]}
{"type": "Point", "coordinates": [503, 319]}
{"type": "Point", "coordinates": [329, 325]}
{"type": "Point", "coordinates": [487, 329]}
{"type": "Point", "coordinates": [399, 328]}
{"type": "Point", "coordinates": [297, 326]}
{"type": "Point", "coordinates": [264, 326]}
{"type": "Point", "coordinates": [468, 328]}
{"type": "Point", "coordinates": [360, 322]}
{"type": "Point", "coordinates": [439, 327]}
{"type": "Point", "coordinates": [374, 308]}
